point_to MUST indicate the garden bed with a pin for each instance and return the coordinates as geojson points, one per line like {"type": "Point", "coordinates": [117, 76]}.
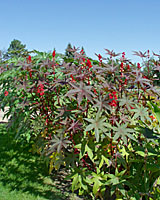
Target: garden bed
{"type": "Point", "coordinates": [98, 119]}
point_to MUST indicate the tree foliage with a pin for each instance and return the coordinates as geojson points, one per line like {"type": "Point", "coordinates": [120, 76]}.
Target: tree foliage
{"type": "Point", "coordinates": [15, 49]}
{"type": "Point", "coordinates": [68, 51]}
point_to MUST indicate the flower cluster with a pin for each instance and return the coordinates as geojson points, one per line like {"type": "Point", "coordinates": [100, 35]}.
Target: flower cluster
{"type": "Point", "coordinates": [88, 64]}
{"type": "Point", "coordinates": [128, 67]}
{"type": "Point", "coordinates": [123, 55]}
{"type": "Point", "coordinates": [73, 80]}
{"type": "Point", "coordinates": [40, 89]}
{"type": "Point", "coordinates": [114, 97]}
{"type": "Point", "coordinates": [138, 66]}
{"type": "Point", "coordinates": [29, 59]}
{"type": "Point", "coordinates": [99, 57]}
{"type": "Point", "coordinates": [54, 53]}
{"type": "Point", "coordinates": [6, 93]}
{"type": "Point", "coordinates": [121, 68]}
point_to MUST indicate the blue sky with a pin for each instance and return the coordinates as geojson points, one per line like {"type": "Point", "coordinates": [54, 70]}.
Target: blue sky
{"type": "Point", "coordinates": [125, 25]}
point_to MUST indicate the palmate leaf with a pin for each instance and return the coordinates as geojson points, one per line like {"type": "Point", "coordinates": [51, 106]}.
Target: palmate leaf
{"type": "Point", "coordinates": [127, 102]}
{"type": "Point", "coordinates": [109, 68]}
{"type": "Point", "coordinates": [70, 69]}
{"type": "Point", "coordinates": [81, 91]}
{"type": "Point", "coordinates": [122, 131]}
{"type": "Point", "coordinates": [98, 69]}
{"type": "Point", "coordinates": [142, 81]}
{"type": "Point", "coordinates": [75, 126]}
{"type": "Point", "coordinates": [98, 124]}
{"type": "Point", "coordinates": [140, 54]}
{"type": "Point", "coordinates": [141, 112]}
{"type": "Point", "coordinates": [124, 118]}
{"type": "Point", "coordinates": [102, 103]}
{"type": "Point", "coordinates": [47, 63]}
{"type": "Point", "coordinates": [57, 144]}
{"type": "Point", "coordinates": [112, 53]}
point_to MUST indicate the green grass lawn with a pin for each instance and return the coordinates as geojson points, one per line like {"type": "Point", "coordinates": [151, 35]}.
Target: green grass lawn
{"type": "Point", "coordinates": [24, 176]}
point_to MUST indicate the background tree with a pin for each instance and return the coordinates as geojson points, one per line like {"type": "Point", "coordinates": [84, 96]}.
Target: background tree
{"type": "Point", "coordinates": [1, 55]}
{"type": "Point", "coordinates": [16, 49]}
{"type": "Point", "coordinates": [68, 52]}
{"type": "Point", "coordinates": [153, 70]}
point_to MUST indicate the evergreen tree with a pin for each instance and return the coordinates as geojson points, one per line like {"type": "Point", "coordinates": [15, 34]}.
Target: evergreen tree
{"type": "Point", "coordinates": [68, 53]}
{"type": "Point", "coordinates": [16, 49]}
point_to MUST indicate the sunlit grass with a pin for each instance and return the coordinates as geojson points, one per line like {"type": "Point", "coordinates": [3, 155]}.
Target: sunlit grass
{"type": "Point", "coordinates": [24, 176]}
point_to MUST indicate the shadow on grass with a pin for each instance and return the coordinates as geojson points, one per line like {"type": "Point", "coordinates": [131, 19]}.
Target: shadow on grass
{"type": "Point", "coordinates": [20, 170]}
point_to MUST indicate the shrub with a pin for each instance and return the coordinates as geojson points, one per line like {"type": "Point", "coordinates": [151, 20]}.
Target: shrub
{"type": "Point", "coordinates": [99, 119]}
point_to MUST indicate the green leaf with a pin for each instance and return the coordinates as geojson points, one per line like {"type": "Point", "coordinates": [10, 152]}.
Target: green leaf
{"type": "Point", "coordinates": [97, 134]}
{"type": "Point", "coordinates": [81, 183]}
{"type": "Point", "coordinates": [98, 124]}
{"type": "Point", "coordinates": [141, 112]}
{"type": "Point", "coordinates": [114, 180]}
{"type": "Point", "coordinates": [120, 174]}
{"type": "Point", "coordinates": [153, 167]}
{"type": "Point", "coordinates": [141, 153]}
{"type": "Point", "coordinates": [82, 152]}
{"type": "Point", "coordinates": [96, 186]}
{"type": "Point", "coordinates": [78, 146]}
{"type": "Point", "coordinates": [122, 131]}
{"type": "Point", "coordinates": [125, 101]}
{"type": "Point", "coordinates": [122, 190]}
{"type": "Point", "coordinates": [90, 153]}
{"type": "Point", "coordinates": [75, 181]}
{"type": "Point", "coordinates": [124, 153]}
{"type": "Point", "coordinates": [103, 160]}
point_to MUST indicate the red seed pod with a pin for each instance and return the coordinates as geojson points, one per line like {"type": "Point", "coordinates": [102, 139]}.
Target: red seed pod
{"type": "Point", "coordinates": [6, 93]}
{"type": "Point", "coordinates": [114, 93]}
{"type": "Point", "coordinates": [100, 57]}
{"type": "Point", "coordinates": [110, 96]}
{"type": "Point", "coordinates": [54, 53]}
{"type": "Point", "coordinates": [29, 58]}
{"type": "Point", "coordinates": [89, 63]}
{"type": "Point", "coordinates": [128, 67]}
{"type": "Point", "coordinates": [73, 80]}
{"type": "Point", "coordinates": [95, 91]}
{"type": "Point", "coordinates": [138, 66]}
{"type": "Point", "coordinates": [121, 65]}
{"type": "Point", "coordinates": [123, 55]}
{"type": "Point", "coordinates": [125, 82]}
